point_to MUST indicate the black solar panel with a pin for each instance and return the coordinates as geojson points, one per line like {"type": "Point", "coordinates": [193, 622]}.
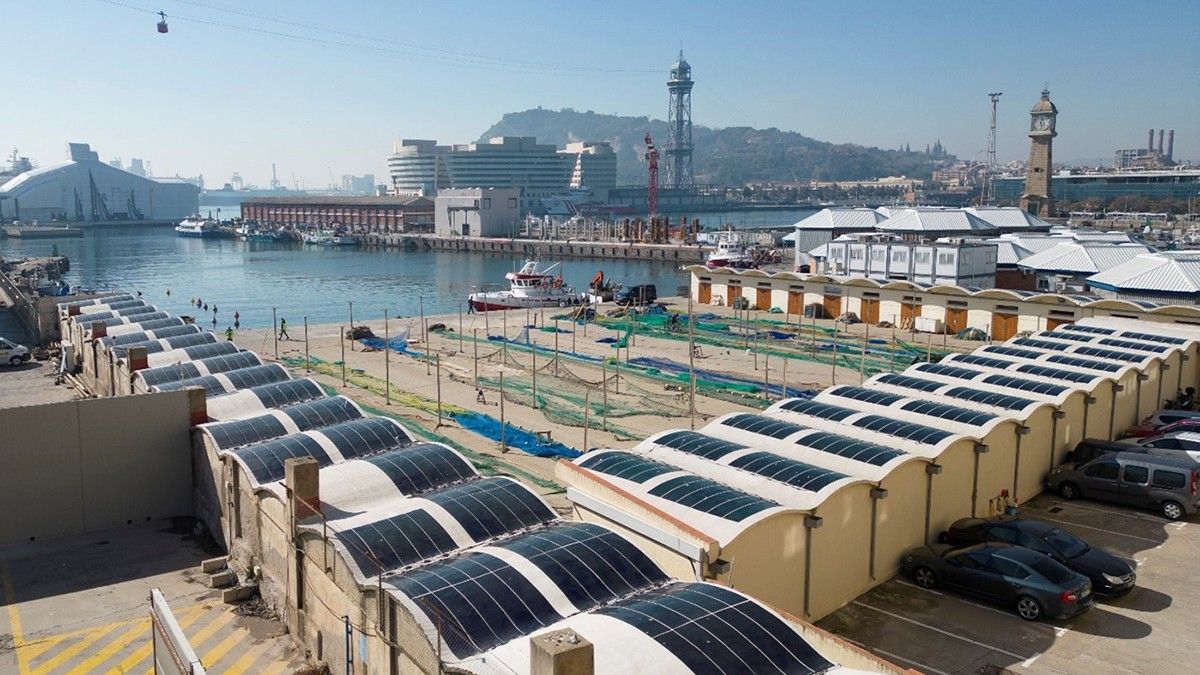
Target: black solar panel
{"type": "Point", "coordinates": [626, 465]}
{"type": "Point", "coordinates": [1145, 304]}
{"type": "Point", "coordinates": [1056, 373]}
{"type": "Point", "coordinates": [236, 433]}
{"type": "Point", "coordinates": [482, 602]}
{"type": "Point", "coordinates": [949, 371]}
{"type": "Point", "coordinates": [159, 324]}
{"type": "Point", "coordinates": [711, 497]}
{"type": "Point", "coordinates": [822, 410]}
{"type": "Point", "coordinates": [986, 361]}
{"type": "Point", "coordinates": [490, 507]}
{"type": "Point", "coordinates": [1026, 385]}
{"type": "Point", "coordinates": [151, 334]}
{"type": "Point", "coordinates": [1005, 350]}
{"type": "Point", "coordinates": [1048, 345]}
{"type": "Point", "coordinates": [784, 470]}
{"type": "Point", "coordinates": [908, 382]}
{"type": "Point", "coordinates": [418, 467]}
{"type": "Point", "coordinates": [265, 460]}
{"type": "Point", "coordinates": [713, 629]}
{"type": "Point", "coordinates": [591, 565]}
{"type": "Point", "coordinates": [211, 385]}
{"type": "Point", "coordinates": [156, 377]}
{"type": "Point", "coordinates": [949, 412]}
{"type": "Point", "coordinates": [763, 425]}
{"type": "Point", "coordinates": [222, 364]}
{"type": "Point", "coordinates": [850, 448]}
{"type": "Point", "coordinates": [1167, 339]}
{"type": "Point", "coordinates": [1111, 354]}
{"type": "Point", "coordinates": [396, 542]}
{"type": "Point", "coordinates": [1094, 330]}
{"type": "Point", "coordinates": [913, 432]}
{"type": "Point", "coordinates": [115, 297]}
{"type": "Point", "coordinates": [210, 350]}
{"type": "Point", "coordinates": [1066, 335]}
{"type": "Point", "coordinates": [287, 392]}
{"type": "Point", "coordinates": [254, 376]}
{"type": "Point", "coordinates": [866, 395]}
{"type": "Point", "coordinates": [698, 444]}
{"type": "Point", "coordinates": [322, 412]}
{"type": "Point", "coordinates": [1139, 346]}
{"type": "Point", "coordinates": [154, 345]}
{"type": "Point", "coordinates": [1084, 363]}
{"type": "Point", "coordinates": [365, 436]}
{"type": "Point", "coordinates": [990, 398]}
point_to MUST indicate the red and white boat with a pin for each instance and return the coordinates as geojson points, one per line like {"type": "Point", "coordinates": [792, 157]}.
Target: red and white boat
{"type": "Point", "coordinates": [528, 288]}
{"type": "Point", "coordinates": [730, 252]}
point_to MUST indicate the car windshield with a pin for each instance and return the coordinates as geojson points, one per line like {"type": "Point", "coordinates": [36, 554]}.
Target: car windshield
{"type": "Point", "coordinates": [1067, 544]}
{"type": "Point", "coordinates": [1053, 571]}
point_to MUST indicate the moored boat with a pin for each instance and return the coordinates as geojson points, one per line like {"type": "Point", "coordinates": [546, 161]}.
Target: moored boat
{"type": "Point", "coordinates": [528, 288]}
{"type": "Point", "coordinates": [730, 252]}
{"type": "Point", "coordinates": [199, 227]}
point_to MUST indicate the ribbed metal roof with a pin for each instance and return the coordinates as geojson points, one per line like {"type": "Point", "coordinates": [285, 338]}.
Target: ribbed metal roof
{"type": "Point", "coordinates": [1085, 258]}
{"type": "Point", "coordinates": [939, 221]}
{"type": "Point", "coordinates": [1009, 218]}
{"type": "Point", "coordinates": [1157, 272]}
{"type": "Point", "coordinates": [842, 219]}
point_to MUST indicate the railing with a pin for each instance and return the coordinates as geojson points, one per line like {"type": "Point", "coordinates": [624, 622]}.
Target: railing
{"type": "Point", "coordinates": [173, 654]}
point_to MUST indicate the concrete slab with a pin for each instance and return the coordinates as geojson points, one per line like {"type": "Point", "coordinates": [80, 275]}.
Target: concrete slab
{"type": "Point", "coordinates": [32, 383]}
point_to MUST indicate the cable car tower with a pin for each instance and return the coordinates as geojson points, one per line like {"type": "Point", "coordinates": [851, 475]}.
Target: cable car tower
{"type": "Point", "coordinates": [679, 127]}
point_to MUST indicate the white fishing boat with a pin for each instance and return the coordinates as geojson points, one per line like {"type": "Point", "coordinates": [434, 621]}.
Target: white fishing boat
{"type": "Point", "coordinates": [329, 238]}
{"type": "Point", "coordinates": [731, 252]}
{"type": "Point", "coordinates": [198, 227]}
{"type": "Point", "coordinates": [528, 288]}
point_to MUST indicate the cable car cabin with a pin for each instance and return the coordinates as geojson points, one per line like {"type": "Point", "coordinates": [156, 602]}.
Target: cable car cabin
{"type": "Point", "coordinates": [162, 24]}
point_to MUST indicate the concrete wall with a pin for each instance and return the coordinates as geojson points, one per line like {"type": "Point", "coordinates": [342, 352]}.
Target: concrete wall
{"type": "Point", "coordinates": [86, 465]}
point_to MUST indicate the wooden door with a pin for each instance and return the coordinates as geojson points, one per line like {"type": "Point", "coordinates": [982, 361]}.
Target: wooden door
{"type": "Point", "coordinates": [795, 302]}
{"type": "Point", "coordinates": [735, 292]}
{"type": "Point", "coordinates": [956, 319]}
{"type": "Point", "coordinates": [1052, 323]}
{"type": "Point", "coordinates": [833, 306]}
{"type": "Point", "coordinates": [763, 299]}
{"type": "Point", "coordinates": [704, 294]}
{"type": "Point", "coordinates": [870, 311]}
{"type": "Point", "coordinates": [908, 311]}
{"type": "Point", "coordinates": [1004, 326]}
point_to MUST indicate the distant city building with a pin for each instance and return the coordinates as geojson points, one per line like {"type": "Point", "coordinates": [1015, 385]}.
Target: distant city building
{"type": "Point", "coordinates": [88, 190]}
{"type": "Point", "coordinates": [1038, 197]}
{"type": "Point", "coordinates": [594, 167]}
{"type": "Point", "coordinates": [1148, 157]}
{"type": "Point", "coordinates": [377, 215]}
{"type": "Point", "coordinates": [1173, 184]}
{"type": "Point", "coordinates": [359, 185]}
{"type": "Point", "coordinates": [950, 261]}
{"type": "Point", "coordinates": [477, 212]}
{"type": "Point", "coordinates": [958, 176]}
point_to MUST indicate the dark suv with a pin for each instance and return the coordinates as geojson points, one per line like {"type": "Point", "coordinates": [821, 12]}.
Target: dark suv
{"type": "Point", "coordinates": [637, 295]}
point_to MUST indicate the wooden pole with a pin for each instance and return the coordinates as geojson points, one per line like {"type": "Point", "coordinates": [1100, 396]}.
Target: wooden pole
{"type": "Point", "coordinates": [587, 404]}
{"type": "Point", "coordinates": [617, 375]}
{"type": "Point", "coordinates": [862, 361]}
{"type": "Point", "coordinates": [387, 362]}
{"type": "Point", "coordinates": [604, 392]}
{"type": "Point", "coordinates": [342, 336]}
{"type": "Point", "coordinates": [460, 334]}
{"type": "Point", "coordinates": [783, 386]}
{"type": "Point", "coordinates": [307, 359]}
{"type": "Point", "coordinates": [275, 331]}
{"type": "Point", "coordinates": [475, 346]}
{"type": "Point", "coordinates": [487, 322]}
{"type": "Point", "coordinates": [504, 337]}
{"type": "Point", "coordinates": [503, 446]}
{"type": "Point", "coordinates": [352, 324]}
{"type": "Point", "coordinates": [766, 377]}
{"type": "Point", "coordinates": [533, 350]}
{"type": "Point", "coordinates": [424, 333]}
{"type": "Point", "coordinates": [691, 365]}
{"type": "Point", "coordinates": [833, 359]}
{"type": "Point", "coordinates": [439, 389]}
{"type": "Point", "coordinates": [929, 348]}
{"type": "Point", "coordinates": [556, 347]}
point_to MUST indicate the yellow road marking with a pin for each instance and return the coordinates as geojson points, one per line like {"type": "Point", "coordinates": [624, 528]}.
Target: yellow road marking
{"type": "Point", "coordinates": [243, 664]}
{"type": "Point", "coordinates": [14, 617]}
{"type": "Point", "coordinates": [221, 648]}
{"type": "Point", "coordinates": [211, 628]}
{"type": "Point", "coordinates": [141, 653]}
{"type": "Point", "coordinates": [275, 668]}
{"type": "Point", "coordinates": [141, 628]}
{"type": "Point", "coordinates": [36, 648]}
{"type": "Point", "coordinates": [70, 652]}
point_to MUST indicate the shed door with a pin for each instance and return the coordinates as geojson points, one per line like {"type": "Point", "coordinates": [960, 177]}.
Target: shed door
{"type": "Point", "coordinates": [704, 295]}
{"type": "Point", "coordinates": [833, 306]}
{"type": "Point", "coordinates": [956, 320]}
{"type": "Point", "coordinates": [763, 300]}
{"type": "Point", "coordinates": [908, 311]}
{"type": "Point", "coordinates": [1052, 323]}
{"type": "Point", "coordinates": [1004, 326]}
{"type": "Point", "coordinates": [870, 311]}
{"type": "Point", "coordinates": [795, 301]}
{"type": "Point", "coordinates": [735, 292]}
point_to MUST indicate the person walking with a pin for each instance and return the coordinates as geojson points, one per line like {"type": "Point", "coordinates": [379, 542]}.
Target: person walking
{"type": "Point", "coordinates": [283, 335]}
{"type": "Point", "coordinates": [214, 323]}
{"type": "Point", "coordinates": [237, 316]}
{"type": "Point", "coordinates": [229, 333]}
{"type": "Point", "coordinates": [214, 308]}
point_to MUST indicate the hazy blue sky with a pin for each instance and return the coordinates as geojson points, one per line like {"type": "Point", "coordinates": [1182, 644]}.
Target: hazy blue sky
{"type": "Point", "coordinates": [211, 98]}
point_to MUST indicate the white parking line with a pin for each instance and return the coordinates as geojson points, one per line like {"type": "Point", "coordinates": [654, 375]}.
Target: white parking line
{"type": "Point", "coordinates": [1029, 661]}
{"type": "Point", "coordinates": [1101, 529]}
{"type": "Point", "coordinates": [947, 633]}
{"type": "Point", "coordinates": [1145, 517]}
{"type": "Point", "coordinates": [964, 600]}
{"type": "Point", "coordinates": [924, 668]}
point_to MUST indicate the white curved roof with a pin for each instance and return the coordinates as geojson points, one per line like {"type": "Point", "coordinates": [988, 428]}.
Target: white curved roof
{"type": "Point", "coordinates": [1168, 272]}
{"type": "Point", "coordinates": [1083, 258]}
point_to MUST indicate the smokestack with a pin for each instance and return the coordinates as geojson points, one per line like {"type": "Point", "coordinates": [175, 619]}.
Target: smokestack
{"type": "Point", "coordinates": [1171, 145]}
{"type": "Point", "coordinates": [1150, 146]}
{"type": "Point", "coordinates": [1160, 141]}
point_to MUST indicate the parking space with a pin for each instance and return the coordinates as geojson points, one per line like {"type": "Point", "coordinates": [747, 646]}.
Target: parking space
{"type": "Point", "coordinates": [1150, 630]}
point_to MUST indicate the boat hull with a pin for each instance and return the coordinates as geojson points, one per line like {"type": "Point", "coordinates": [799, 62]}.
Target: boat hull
{"type": "Point", "coordinates": [497, 302]}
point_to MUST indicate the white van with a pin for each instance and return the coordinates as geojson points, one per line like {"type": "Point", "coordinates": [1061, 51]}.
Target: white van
{"type": "Point", "coordinates": [12, 353]}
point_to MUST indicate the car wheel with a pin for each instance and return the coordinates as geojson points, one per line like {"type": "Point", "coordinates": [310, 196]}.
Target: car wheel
{"type": "Point", "coordinates": [1028, 608]}
{"type": "Point", "coordinates": [14, 361]}
{"type": "Point", "coordinates": [943, 537]}
{"type": "Point", "coordinates": [1171, 510]}
{"type": "Point", "coordinates": [924, 577]}
{"type": "Point", "coordinates": [1068, 491]}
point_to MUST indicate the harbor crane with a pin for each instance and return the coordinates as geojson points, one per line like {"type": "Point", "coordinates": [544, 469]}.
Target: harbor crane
{"type": "Point", "coordinates": [652, 183]}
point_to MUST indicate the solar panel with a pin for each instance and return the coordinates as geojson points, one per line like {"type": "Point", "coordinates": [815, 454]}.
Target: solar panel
{"type": "Point", "coordinates": [1145, 304]}
{"type": "Point", "coordinates": [1005, 350]}
{"type": "Point", "coordinates": [365, 436]}
{"type": "Point", "coordinates": [866, 395]}
{"type": "Point", "coordinates": [986, 361]}
{"type": "Point", "coordinates": [1084, 363]}
{"type": "Point", "coordinates": [154, 345]}
{"type": "Point", "coordinates": [1110, 354]}
{"type": "Point", "coordinates": [763, 425]}
{"type": "Point", "coordinates": [322, 412]}
{"type": "Point", "coordinates": [1094, 330]}
{"type": "Point", "coordinates": [713, 629]}
{"type": "Point", "coordinates": [209, 350]}
{"type": "Point", "coordinates": [909, 382]}
{"type": "Point", "coordinates": [396, 542]}
{"type": "Point", "coordinates": [949, 412]}
{"type": "Point", "coordinates": [990, 398]}
{"type": "Point", "coordinates": [156, 377]}
{"type": "Point", "coordinates": [711, 497]}
{"type": "Point", "coordinates": [949, 371]}
{"type": "Point", "coordinates": [144, 335]}
{"type": "Point", "coordinates": [850, 448]}
{"type": "Point", "coordinates": [1066, 335]}
{"type": "Point", "coordinates": [1026, 385]}
{"type": "Point", "coordinates": [222, 364]}
{"type": "Point", "coordinates": [490, 507]}
{"type": "Point", "coordinates": [1130, 344]}
{"type": "Point", "coordinates": [278, 394]}
{"type": "Point", "coordinates": [626, 465]}
{"type": "Point", "coordinates": [1154, 338]}
{"type": "Point", "coordinates": [211, 385]}
{"type": "Point", "coordinates": [254, 376]}
{"type": "Point", "coordinates": [1056, 373]}
{"type": "Point", "coordinates": [159, 324]}
{"type": "Point", "coordinates": [698, 444]}
{"type": "Point", "coordinates": [784, 470]}
{"type": "Point", "coordinates": [822, 410]}
{"type": "Point", "coordinates": [1048, 345]}
{"type": "Point", "coordinates": [913, 432]}
{"type": "Point", "coordinates": [265, 460]}
{"type": "Point", "coordinates": [236, 433]}
{"type": "Point", "coordinates": [418, 467]}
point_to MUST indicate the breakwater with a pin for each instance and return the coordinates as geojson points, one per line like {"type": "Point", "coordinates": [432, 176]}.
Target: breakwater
{"type": "Point", "coordinates": [537, 248]}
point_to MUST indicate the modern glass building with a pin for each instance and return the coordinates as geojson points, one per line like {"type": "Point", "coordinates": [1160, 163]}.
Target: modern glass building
{"type": "Point", "coordinates": [1176, 185]}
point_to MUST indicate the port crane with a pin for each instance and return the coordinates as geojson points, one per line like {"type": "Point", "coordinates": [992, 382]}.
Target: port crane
{"type": "Point", "coordinates": [652, 184]}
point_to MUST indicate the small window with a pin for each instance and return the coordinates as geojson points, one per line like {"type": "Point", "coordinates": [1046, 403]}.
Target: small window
{"type": "Point", "coordinates": [1138, 475]}
{"type": "Point", "coordinates": [1165, 444]}
{"type": "Point", "coordinates": [1104, 470]}
{"type": "Point", "coordinates": [487, 202]}
{"type": "Point", "coordinates": [512, 202]}
{"type": "Point", "coordinates": [1170, 480]}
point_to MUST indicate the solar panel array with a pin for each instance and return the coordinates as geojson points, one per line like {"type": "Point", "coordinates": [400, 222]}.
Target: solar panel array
{"type": "Point", "coordinates": [265, 460]}
{"type": "Point", "coordinates": [155, 345]}
{"type": "Point", "coordinates": [986, 361]}
{"type": "Point", "coordinates": [156, 377]}
{"type": "Point", "coordinates": [395, 542]}
{"type": "Point", "coordinates": [713, 629]}
{"type": "Point", "coordinates": [214, 349]}
{"type": "Point", "coordinates": [1111, 354]}
{"type": "Point", "coordinates": [1026, 385]}
{"type": "Point", "coordinates": [698, 444]}
{"type": "Point", "coordinates": [228, 362]}
{"type": "Point", "coordinates": [1005, 350]}
{"type": "Point", "coordinates": [822, 410]}
{"type": "Point", "coordinates": [159, 324]}
{"type": "Point", "coordinates": [990, 398]}
{"type": "Point", "coordinates": [626, 465]}
{"type": "Point", "coordinates": [144, 335]}
{"type": "Point", "coordinates": [288, 392]}
{"type": "Point", "coordinates": [711, 497]}
{"type": "Point", "coordinates": [850, 448]}
{"type": "Point", "coordinates": [236, 433]}
{"type": "Point", "coordinates": [1167, 339]}
{"type": "Point", "coordinates": [419, 467]}
{"type": "Point", "coordinates": [949, 412]}
{"type": "Point", "coordinates": [789, 471]}
{"type": "Point", "coordinates": [255, 376]}
{"type": "Point", "coordinates": [1065, 335]}
{"type": "Point", "coordinates": [949, 371]}
{"type": "Point", "coordinates": [763, 425]}
{"type": "Point", "coordinates": [866, 395]}
{"type": "Point", "coordinates": [902, 429]}
{"type": "Point", "coordinates": [1130, 344]}
{"type": "Point", "coordinates": [322, 412]}
{"type": "Point", "coordinates": [1094, 330]}
{"type": "Point", "coordinates": [1056, 373]}
{"type": "Point", "coordinates": [211, 385]}
{"type": "Point", "coordinates": [1048, 345]}
{"type": "Point", "coordinates": [365, 436]}
{"type": "Point", "coordinates": [1083, 363]}
{"type": "Point", "coordinates": [490, 507]}
{"type": "Point", "coordinates": [909, 382]}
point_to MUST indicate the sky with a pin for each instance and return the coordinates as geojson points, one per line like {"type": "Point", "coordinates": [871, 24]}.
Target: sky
{"type": "Point", "coordinates": [324, 88]}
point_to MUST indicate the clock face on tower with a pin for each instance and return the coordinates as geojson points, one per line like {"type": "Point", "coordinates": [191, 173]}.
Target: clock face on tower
{"type": "Point", "coordinates": [1041, 123]}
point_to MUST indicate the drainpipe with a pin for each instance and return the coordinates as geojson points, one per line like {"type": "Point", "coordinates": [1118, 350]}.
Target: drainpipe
{"type": "Point", "coordinates": [1020, 431]}
{"type": "Point", "coordinates": [931, 470]}
{"type": "Point", "coordinates": [1088, 402]}
{"type": "Point", "coordinates": [811, 522]}
{"type": "Point", "coordinates": [980, 448]}
{"type": "Point", "coordinates": [877, 493]}
{"type": "Point", "coordinates": [1141, 377]}
{"type": "Point", "coordinates": [1165, 367]}
{"type": "Point", "coordinates": [1112, 416]}
{"type": "Point", "coordinates": [1054, 418]}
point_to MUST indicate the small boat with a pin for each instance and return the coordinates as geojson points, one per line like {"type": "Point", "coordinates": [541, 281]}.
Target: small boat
{"type": "Point", "coordinates": [199, 227]}
{"type": "Point", "coordinates": [528, 288]}
{"type": "Point", "coordinates": [259, 234]}
{"type": "Point", "coordinates": [731, 252]}
{"type": "Point", "coordinates": [329, 238]}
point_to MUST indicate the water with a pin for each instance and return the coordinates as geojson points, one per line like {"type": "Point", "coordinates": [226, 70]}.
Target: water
{"type": "Point", "coordinates": [298, 280]}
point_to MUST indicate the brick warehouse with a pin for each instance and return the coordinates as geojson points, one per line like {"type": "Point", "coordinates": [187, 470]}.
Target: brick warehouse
{"type": "Point", "coordinates": [375, 215]}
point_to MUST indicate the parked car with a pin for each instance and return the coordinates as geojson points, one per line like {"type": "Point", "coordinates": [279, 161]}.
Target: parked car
{"type": "Point", "coordinates": [1032, 584]}
{"type": "Point", "coordinates": [1176, 444]}
{"type": "Point", "coordinates": [12, 353]}
{"type": "Point", "coordinates": [1091, 448]}
{"type": "Point", "coordinates": [1145, 481]}
{"type": "Point", "coordinates": [1161, 418]}
{"type": "Point", "coordinates": [1110, 575]}
{"type": "Point", "coordinates": [637, 295]}
{"type": "Point", "coordinates": [1185, 424]}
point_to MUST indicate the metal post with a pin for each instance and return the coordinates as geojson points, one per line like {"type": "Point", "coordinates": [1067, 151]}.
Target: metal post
{"type": "Point", "coordinates": [604, 393]}
{"type": "Point", "coordinates": [833, 359]}
{"type": "Point", "coordinates": [691, 365]}
{"type": "Point", "coordinates": [342, 335]}
{"type": "Point", "coordinates": [275, 331]}
{"type": "Point", "coordinates": [307, 360]}
{"type": "Point", "coordinates": [533, 350]}
{"type": "Point", "coordinates": [387, 366]}
{"type": "Point", "coordinates": [504, 337]}
{"type": "Point", "coordinates": [617, 375]}
{"type": "Point", "coordinates": [424, 334]}
{"type": "Point", "coordinates": [766, 377]}
{"type": "Point", "coordinates": [862, 362]}
{"type": "Point", "coordinates": [439, 389]}
{"type": "Point", "coordinates": [460, 338]}
{"type": "Point", "coordinates": [503, 424]}
{"type": "Point", "coordinates": [929, 348]}
{"type": "Point", "coordinates": [587, 404]}
{"type": "Point", "coordinates": [556, 347]}
{"type": "Point", "coordinates": [475, 346]}
{"type": "Point", "coordinates": [349, 652]}
{"type": "Point", "coordinates": [783, 382]}
{"type": "Point", "coordinates": [352, 324]}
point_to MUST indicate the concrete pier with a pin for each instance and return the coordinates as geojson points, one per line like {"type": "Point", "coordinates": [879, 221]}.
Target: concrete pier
{"type": "Point", "coordinates": [674, 253]}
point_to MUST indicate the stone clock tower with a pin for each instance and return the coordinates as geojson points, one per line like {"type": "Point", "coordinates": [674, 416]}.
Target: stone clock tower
{"type": "Point", "coordinates": [1038, 198]}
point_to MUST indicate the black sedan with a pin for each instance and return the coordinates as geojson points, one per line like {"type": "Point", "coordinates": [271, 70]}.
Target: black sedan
{"type": "Point", "coordinates": [1111, 576]}
{"type": "Point", "coordinates": [1030, 583]}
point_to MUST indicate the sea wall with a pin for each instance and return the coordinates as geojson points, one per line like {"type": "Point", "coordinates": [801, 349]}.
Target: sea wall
{"type": "Point", "coordinates": [675, 253]}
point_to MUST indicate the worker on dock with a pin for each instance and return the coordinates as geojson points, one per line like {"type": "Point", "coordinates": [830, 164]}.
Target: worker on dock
{"type": "Point", "coordinates": [229, 333]}
{"type": "Point", "coordinates": [479, 398]}
{"type": "Point", "coordinates": [283, 335]}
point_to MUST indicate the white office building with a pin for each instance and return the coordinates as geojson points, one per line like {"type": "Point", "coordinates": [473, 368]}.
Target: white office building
{"type": "Point", "coordinates": [948, 261]}
{"type": "Point", "coordinates": [476, 212]}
